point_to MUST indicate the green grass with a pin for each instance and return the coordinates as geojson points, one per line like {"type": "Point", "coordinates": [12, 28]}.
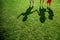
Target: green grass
{"type": "Point", "coordinates": [32, 28]}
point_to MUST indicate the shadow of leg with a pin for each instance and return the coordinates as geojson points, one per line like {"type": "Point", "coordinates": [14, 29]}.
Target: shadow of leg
{"type": "Point", "coordinates": [50, 11]}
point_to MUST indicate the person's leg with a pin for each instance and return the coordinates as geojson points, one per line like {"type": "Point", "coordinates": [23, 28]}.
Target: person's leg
{"type": "Point", "coordinates": [41, 2]}
{"type": "Point", "coordinates": [31, 3]}
{"type": "Point", "coordinates": [49, 3]}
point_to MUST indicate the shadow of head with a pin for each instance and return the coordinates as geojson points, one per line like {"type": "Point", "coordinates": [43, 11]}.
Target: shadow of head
{"type": "Point", "coordinates": [42, 15]}
{"type": "Point", "coordinates": [25, 18]}
{"type": "Point", "coordinates": [50, 11]}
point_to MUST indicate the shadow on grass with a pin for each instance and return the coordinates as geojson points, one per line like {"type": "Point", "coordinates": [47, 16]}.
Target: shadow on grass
{"type": "Point", "coordinates": [46, 38]}
{"type": "Point", "coordinates": [1, 21]}
{"type": "Point", "coordinates": [50, 11]}
{"type": "Point", "coordinates": [41, 13]}
{"type": "Point", "coordinates": [1, 16]}
{"type": "Point", "coordinates": [2, 31]}
{"type": "Point", "coordinates": [58, 37]}
{"type": "Point", "coordinates": [25, 14]}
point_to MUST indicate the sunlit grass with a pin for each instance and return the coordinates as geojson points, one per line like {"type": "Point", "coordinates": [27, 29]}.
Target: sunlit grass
{"type": "Point", "coordinates": [32, 28]}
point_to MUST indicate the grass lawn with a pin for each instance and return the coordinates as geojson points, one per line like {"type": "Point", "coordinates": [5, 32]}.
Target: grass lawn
{"type": "Point", "coordinates": [28, 26]}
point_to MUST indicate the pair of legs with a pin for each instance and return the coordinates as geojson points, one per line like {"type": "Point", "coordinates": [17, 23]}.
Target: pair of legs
{"type": "Point", "coordinates": [48, 3]}
{"type": "Point", "coordinates": [41, 2]}
{"type": "Point", "coordinates": [31, 3]}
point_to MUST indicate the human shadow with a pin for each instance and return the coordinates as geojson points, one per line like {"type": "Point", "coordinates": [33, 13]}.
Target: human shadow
{"type": "Point", "coordinates": [41, 13]}
{"type": "Point", "coordinates": [25, 14]}
{"type": "Point", "coordinates": [51, 14]}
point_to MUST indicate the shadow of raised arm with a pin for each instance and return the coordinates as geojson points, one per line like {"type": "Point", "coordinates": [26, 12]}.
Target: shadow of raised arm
{"type": "Point", "coordinates": [20, 15]}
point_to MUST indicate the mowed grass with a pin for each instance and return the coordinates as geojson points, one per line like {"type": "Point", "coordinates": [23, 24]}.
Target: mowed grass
{"type": "Point", "coordinates": [32, 28]}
